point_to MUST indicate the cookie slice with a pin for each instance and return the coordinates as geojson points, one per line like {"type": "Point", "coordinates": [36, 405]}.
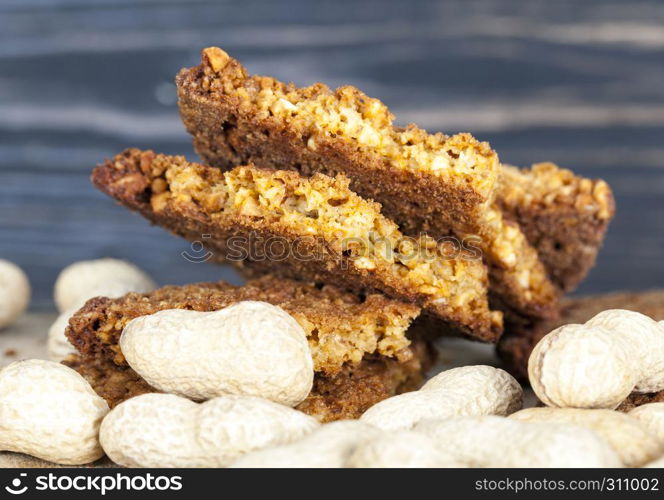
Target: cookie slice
{"type": "Point", "coordinates": [359, 344]}
{"type": "Point", "coordinates": [564, 216]}
{"type": "Point", "coordinates": [316, 229]}
{"type": "Point", "coordinates": [342, 327]}
{"type": "Point", "coordinates": [433, 183]}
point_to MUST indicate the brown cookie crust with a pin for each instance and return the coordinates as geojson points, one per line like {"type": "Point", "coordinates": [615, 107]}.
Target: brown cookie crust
{"type": "Point", "coordinates": [112, 382]}
{"type": "Point", "coordinates": [357, 388]}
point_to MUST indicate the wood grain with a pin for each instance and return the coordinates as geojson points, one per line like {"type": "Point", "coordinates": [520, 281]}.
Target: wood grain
{"type": "Point", "coordinates": [578, 83]}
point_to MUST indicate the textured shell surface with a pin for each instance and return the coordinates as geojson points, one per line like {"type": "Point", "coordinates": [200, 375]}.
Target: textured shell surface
{"type": "Point", "coordinates": [577, 366]}
{"type": "Point", "coordinates": [400, 449]}
{"type": "Point", "coordinates": [165, 430]}
{"type": "Point", "coordinates": [249, 348]}
{"type": "Point", "coordinates": [106, 277]}
{"type": "Point", "coordinates": [470, 390]}
{"type": "Point", "coordinates": [631, 439]}
{"type": "Point", "coordinates": [153, 430]}
{"type": "Point", "coordinates": [246, 423]}
{"type": "Point", "coordinates": [326, 447]}
{"type": "Point", "coordinates": [652, 416]}
{"type": "Point", "coordinates": [645, 335]}
{"type": "Point", "coordinates": [492, 441]}
{"type": "Point", "coordinates": [35, 420]}
{"type": "Point", "coordinates": [58, 344]}
{"type": "Point", "coordinates": [14, 292]}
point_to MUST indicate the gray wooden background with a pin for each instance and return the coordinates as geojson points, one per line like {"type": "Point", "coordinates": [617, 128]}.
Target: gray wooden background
{"type": "Point", "coordinates": [577, 82]}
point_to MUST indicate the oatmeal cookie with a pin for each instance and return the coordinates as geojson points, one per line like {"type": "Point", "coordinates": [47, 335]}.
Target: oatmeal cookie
{"type": "Point", "coordinates": [311, 228]}
{"type": "Point", "coordinates": [427, 183]}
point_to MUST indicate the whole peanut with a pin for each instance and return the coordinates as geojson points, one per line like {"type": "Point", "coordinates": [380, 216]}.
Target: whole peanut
{"type": "Point", "coordinates": [469, 390]}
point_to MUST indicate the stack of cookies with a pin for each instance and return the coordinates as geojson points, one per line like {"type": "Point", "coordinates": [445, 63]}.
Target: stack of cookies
{"type": "Point", "coordinates": [375, 238]}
